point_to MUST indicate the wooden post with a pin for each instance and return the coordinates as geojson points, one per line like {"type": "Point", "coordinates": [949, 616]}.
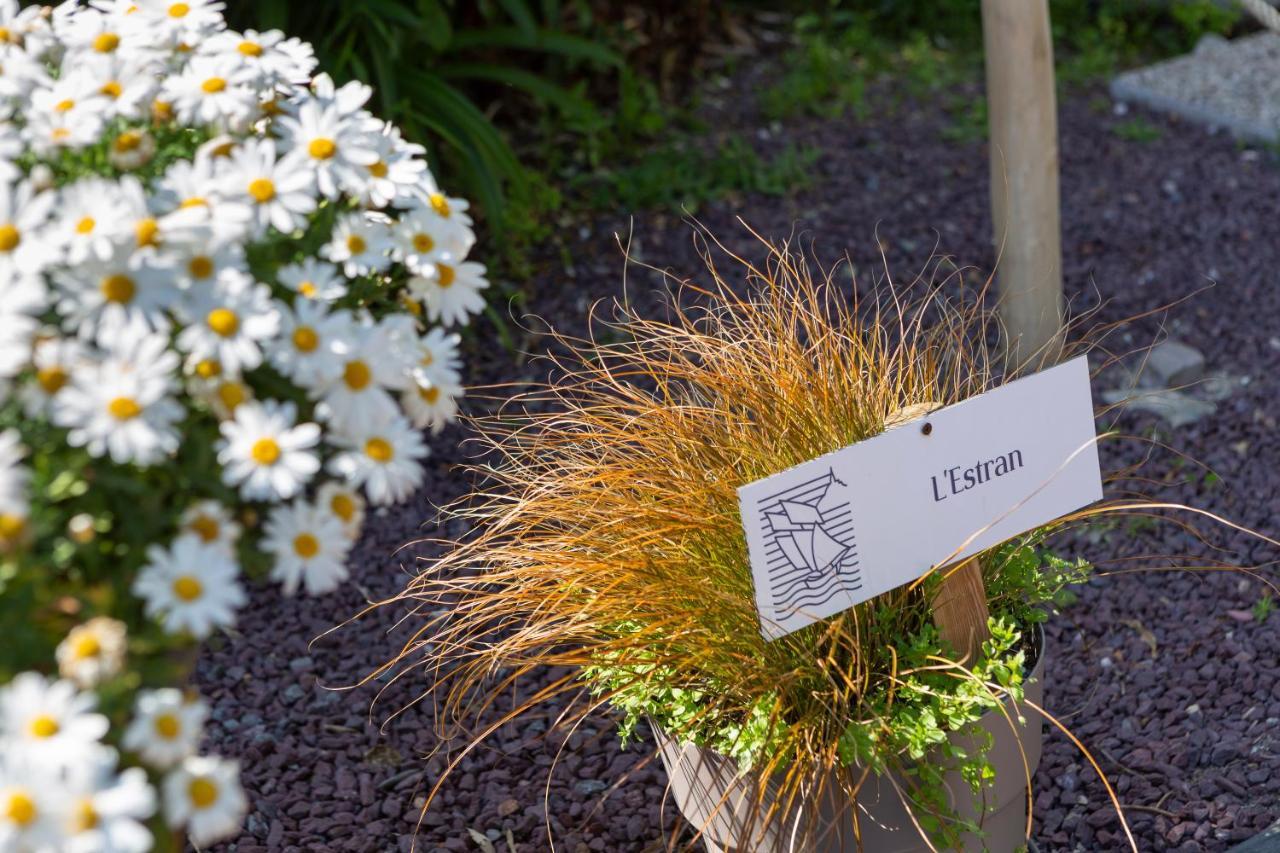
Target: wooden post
{"type": "Point", "coordinates": [1022, 115]}
{"type": "Point", "coordinates": [960, 602]}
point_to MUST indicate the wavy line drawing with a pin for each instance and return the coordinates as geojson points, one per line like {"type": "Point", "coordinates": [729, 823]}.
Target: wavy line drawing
{"type": "Point", "coordinates": [809, 540]}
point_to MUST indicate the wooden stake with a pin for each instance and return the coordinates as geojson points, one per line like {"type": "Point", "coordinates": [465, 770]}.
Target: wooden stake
{"type": "Point", "coordinates": [1022, 114]}
{"type": "Point", "coordinates": [960, 602]}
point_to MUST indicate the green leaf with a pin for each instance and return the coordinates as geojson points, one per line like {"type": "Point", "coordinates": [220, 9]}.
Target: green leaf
{"type": "Point", "coordinates": [543, 40]}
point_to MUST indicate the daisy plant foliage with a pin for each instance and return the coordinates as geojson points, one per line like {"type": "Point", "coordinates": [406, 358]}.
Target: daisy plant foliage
{"type": "Point", "coordinates": [229, 298]}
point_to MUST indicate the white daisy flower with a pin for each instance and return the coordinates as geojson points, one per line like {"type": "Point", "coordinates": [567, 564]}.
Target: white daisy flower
{"type": "Point", "coordinates": [131, 150]}
{"type": "Point", "coordinates": [126, 85]}
{"type": "Point", "coordinates": [266, 453]}
{"type": "Point", "coordinates": [313, 279]}
{"type": "Point", "coordinates": [230, 321]}
{"type": "Point", "coordinates": [190, 586]}
{"type": "Point", "coordinates": [180, 23]}
{"type": "Point", "coordinates": [345, 503]}
{"type": "Point", "coordinates": [358, 399]}
{"type": "Point", "coordinates": [49, 719]}
{"type": "Point", "coordinates": [361, 242]}
{"type": "Point", "coordinates": [306, 348]}
{"type": "Point", "coordinates": [391, 178]}
{"type": "Point", "coordinates": [33, 805]}
{"type": "Point", "coordinates": [447, 206]}
{"type": "Point", "coordinates": [93, 652]}
{"type": "Point", "coordinates": [452, 294]}
{"type": "Point", "coordinates": [309, 547]}
{"type": "Point", "coordinates": [438, 361]}
{"type": "Point", "coordinates": [123, 406]}
{"type": "Point", "coordinates": [151, 230]}
{"type": "Point", "coordinates": [14, 479]}
{"type": "Point", "coordinates": [166, 727]}
{"type": "Point", "coordinates": [197, 267]}
{"type": "Point", "coordinates": [274, 59]}
{"type": "Point", "coordinates": [429, 404]}
{"type": "Point", "coordinates": [47, 134]}
{"type": "Point", "coordinates": [55, 361]}
{"type": "Point", "coordinates": [197, 184]}
{"type": "Point", "coordinates": [127, 288]}
{"type": "Point", "coordinates": [212, 90]}
{"type": "Point", "coordinates": [90, 218]}
{"type": "Point", "coordinates": [280, 194]}
{"type": "Point", "coordinates": [422, 238]}
{"type": "Point", "coordinates": [24, 213]}
{"type": "Point", "coordinates": [222, 392]}
{"type": "Point", "coordinates": [20, 73]}
{"type": "Point", "coordinates": [333, 147]}
{"type": "Point", "coordinates": [72, 98]}
{"type": "Point", "coordinates": [108, 812]}
{"type": "Point", "coordinates": [203, 795]}
{"type": "Point", "coordinates": [211, 522]}
{"type": "Point", "coordinates": [383, 459]}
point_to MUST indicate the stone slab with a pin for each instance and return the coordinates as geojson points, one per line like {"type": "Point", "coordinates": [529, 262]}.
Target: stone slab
{"type": "Point", "coordinates": [1266, 842]}
{"type": "Point", "coordinates": [1228, 84]}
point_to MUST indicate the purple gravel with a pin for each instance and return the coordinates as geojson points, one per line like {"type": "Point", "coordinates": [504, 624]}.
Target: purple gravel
{"type": "Point", "coordinates": [1161, 675]}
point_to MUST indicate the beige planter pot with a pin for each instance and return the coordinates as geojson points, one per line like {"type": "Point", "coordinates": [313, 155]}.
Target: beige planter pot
{"type": "Point", "coordinates": [713, 798]}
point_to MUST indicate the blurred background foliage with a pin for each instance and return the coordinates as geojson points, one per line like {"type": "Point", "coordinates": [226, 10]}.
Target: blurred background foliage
{"type": "Point", "coordinates": [541, 110]}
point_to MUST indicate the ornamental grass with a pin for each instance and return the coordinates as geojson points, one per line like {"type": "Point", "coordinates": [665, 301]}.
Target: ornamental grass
{"type": "Point", "coordinates": [607, 537]}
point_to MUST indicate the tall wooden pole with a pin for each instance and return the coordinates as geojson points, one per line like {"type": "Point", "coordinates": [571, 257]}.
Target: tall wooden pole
{"type": "Point", "coordinates": [1022, 110]}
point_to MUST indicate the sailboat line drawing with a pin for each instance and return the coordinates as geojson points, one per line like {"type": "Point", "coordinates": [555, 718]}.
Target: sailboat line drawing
{"type": "Point", "coordinates": [810, 546]}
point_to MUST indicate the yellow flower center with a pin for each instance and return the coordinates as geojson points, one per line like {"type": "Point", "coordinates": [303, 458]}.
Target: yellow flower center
{"type": "Point", "coordinates": [305, 339]}
{"type": "Point", "coordinates": [65, 105]}
{"type": "Point", "coordinates": [207, 368]}
{"type": "Point", "coordinates": [379, 450]}
{"type": "Point", "coordinates": [343, 506]}
{"type": "Point", "coordinates": [10, 237]}
{"type": "Point", "coordinates": [306, 546]}
{"type": "Point", "coordinates": [427, 359]}
{"type": "Point", "coordinates": [223, 321]}
{"type": "Point", "coordinates": [128, 141]}
{"type": "Point", "coordinates": [167, 726]}
{"type": "Point", "coordinates": [203, 792]}
{"type": "Point", "coordinates": [179, 10]}
{"type": "Point", "coordinates": [162, 111]}
{"type": "Point", "coordinates": [6, 34]}
{"type": "Point", "coordinates": [20, 809]}
{"type": "Point", "coordinates": [11, 527]}
{"type": "Point", "coordinates": [357, 375]}
{"type": "Point", "coordinates": [148, 231]}
{"type": "Point", "coordinates": [201, 266]}
{"type": "Point", "coordinates": [86, 225]}
{"type": "Point", "coordinates": [322, 148]}
{"type": "Point", "coordinates": [205, 527]}
{"type": "Point", "coordinates": [85, 817]}
{"type": "Point", "coordinates": [356, 244]}
{"type": "Point", "coordinates": [231, 394]}
{"type": "Point", "coordinates": [308, 289]}
{"type": "Point", "coordinates": [124, 408]}
{"type": "Point", "coordinates": [51, 379]}
{"type": "Point", "coordinates": [445, 275]}
{"type": "Point", "coordinates": [262, 190]}
{"type": "Point", "coordinates": [87, 646]}
{"type": "Point", "coordinates": [430, 393]}
{"type": "Point", "coordinates": [378, 169]}
{"type": "Point", "coordinates": [440, 204]}
{"type": "Point", "coordinates": [118, 288]}
{"type": "Point", "coordinates": [423, 243]}
{"type": "Point", "coordinates": [187, 588]}
{"type": "Point", "coordinates": [214, 85]}
{"type": "Point", "coordinates": [265, 451]}
{"type": "Point", "coordinates": [194, 201]}
{"type": "Point", "coordinates": [112, 89]}
{"type": "Point", "coordinates": [44, 726]}
{"type": "Point", "coordinates": [106, 42]}
{"type": "Point", "coordinates": [249, 48]}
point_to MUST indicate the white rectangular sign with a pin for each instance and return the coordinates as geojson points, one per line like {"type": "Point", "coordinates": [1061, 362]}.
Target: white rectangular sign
{"type": "Point", "coordinates": [858, 522]}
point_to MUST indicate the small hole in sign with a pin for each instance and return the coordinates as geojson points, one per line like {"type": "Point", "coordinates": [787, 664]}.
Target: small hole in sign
{"type": "Point", "coordinates": [926, 428]}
